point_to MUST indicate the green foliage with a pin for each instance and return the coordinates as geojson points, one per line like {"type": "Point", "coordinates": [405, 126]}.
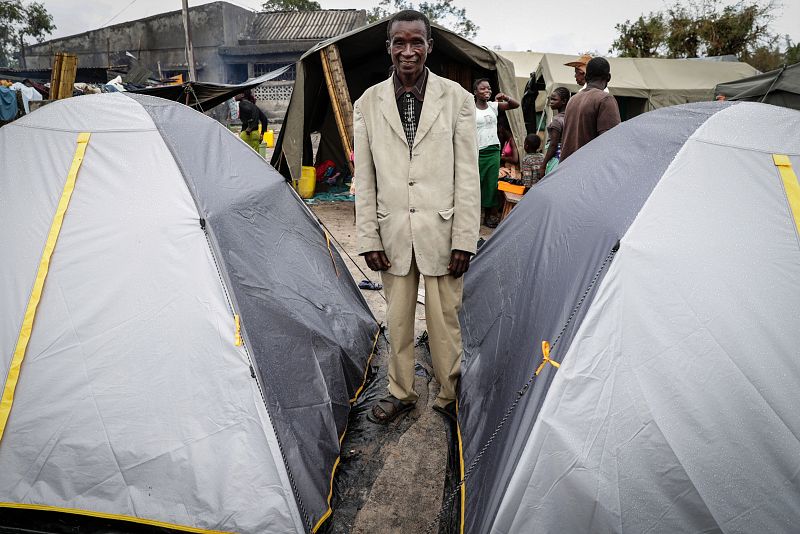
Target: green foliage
{"type": "Point", "coordinates": [271, 6]}
{"type": "Point", "coordinates": [766, 58]}
{"type": "Point", "coordinates": [642, 37]}
{"type": "Point", "coordinates": [792, 53]}
{"type": "Point", "coordinates": [442, 12]}
{"type": "Point", "coordinates": [700, 28]}
{"type": "Point", "coordinates": [18, 21]}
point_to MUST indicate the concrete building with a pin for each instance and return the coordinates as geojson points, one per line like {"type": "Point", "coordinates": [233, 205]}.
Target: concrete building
{"type": "Point", "coordinates": [230, 43]}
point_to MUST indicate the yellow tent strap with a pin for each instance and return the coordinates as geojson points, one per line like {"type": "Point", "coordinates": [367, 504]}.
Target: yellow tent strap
{"type": "Point", "coordinates": [790, 185]}
{"type": "Point", "coordinates": [237, 330]}
{"type": "Point", "coordinates": [330, 251]}
{"type": "Point", "coordinates": [36, 293]}
{"type": "Point", "coordinates": [463, 488]}
{"type": "Point", "coordinates": [546, 358]}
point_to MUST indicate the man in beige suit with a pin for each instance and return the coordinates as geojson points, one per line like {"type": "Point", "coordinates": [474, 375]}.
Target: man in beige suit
{"type": "Point", "coordinates": [417, 206]}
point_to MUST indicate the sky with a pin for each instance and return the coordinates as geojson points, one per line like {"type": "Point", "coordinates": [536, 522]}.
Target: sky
{"type": "Point", "coordinates": [567, 27]}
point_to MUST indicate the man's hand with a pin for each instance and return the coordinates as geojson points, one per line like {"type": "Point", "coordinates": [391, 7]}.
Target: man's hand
{"type": "Point", "coordinates": [459, 263]}
{"type": "Point", "coordinates": [377, 260]}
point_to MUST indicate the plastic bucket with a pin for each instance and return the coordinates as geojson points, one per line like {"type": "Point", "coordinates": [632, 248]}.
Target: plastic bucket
{"type": "Point", "coordinates": [269, 138]}
{"type": "Point", "coordinates": [308, 181]}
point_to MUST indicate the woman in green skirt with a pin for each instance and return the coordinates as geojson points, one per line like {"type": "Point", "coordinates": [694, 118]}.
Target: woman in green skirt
{"type": "Point", "coordinates": [486, 113]}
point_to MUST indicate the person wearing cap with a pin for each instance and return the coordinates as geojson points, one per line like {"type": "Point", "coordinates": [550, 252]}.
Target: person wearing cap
{"type": "Point", "coordinates": [580, 69]}
{"type": "Point", "coordinates": [591, 112]}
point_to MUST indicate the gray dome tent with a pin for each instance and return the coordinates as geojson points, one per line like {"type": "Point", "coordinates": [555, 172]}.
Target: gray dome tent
{"type": "Point", "coordinates": [662, 264]}
{"type": "Point", "coordinates": [179, 345]}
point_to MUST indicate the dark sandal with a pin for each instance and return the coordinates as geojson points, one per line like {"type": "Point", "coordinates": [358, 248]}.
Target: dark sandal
{"type": "Point", "coordinates": [448, 411]}
{"type": "Point", "coordinates": [388, 409]}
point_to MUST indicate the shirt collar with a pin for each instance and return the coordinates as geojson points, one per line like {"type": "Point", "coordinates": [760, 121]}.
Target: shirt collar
{"type": "Point", "coordinates": [419, 86]}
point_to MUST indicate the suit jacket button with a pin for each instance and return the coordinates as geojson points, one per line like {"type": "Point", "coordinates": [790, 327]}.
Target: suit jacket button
{"type": "Point", "coordinates": [412, 210]}
{"type": "Point", "coordinates": [410, 183]}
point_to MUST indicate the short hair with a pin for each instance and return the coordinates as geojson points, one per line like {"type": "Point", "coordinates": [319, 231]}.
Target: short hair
{"type": "Point", "coordinates": [479, 81]}
{"type": "Point", "coordinates": [534, 141]}
{"type": "Point", "coordinates": [408, 15]}
{"type": "Point", "coordinates": [563, 93]}
{"type": "Point", "coordinates": [597, 69]}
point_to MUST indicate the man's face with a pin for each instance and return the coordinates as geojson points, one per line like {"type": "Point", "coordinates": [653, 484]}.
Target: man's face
{"type": "Point", "coordinates": [409, 47]}
{"type": "Point", "coordinates": [580, 76]}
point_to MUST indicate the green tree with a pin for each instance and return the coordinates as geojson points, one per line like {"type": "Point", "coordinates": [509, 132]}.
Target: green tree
{"type": "Point", "coordinates": [792, 53]}
{"type": "Point", "coordinates": [442, 12]}
{"type": "Point", "coordinates": [18, 21]}
{"type": "Point", "coordinates": [643, 37]}
{"type": "Point", "coordinates": [272, 6]}
{"type": "Point", "coordinates": [766, 58]}
{"type": "Point", "coordinates": [699, 28]}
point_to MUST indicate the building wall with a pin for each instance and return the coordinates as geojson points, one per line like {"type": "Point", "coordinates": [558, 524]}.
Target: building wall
{"type": "Point", "coordinates": [159, 38]}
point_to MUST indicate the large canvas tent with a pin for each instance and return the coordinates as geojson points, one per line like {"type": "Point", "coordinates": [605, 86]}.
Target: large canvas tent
{"type": "Point", "coordinates": [365, 62]}
{"type": "Point", "coordinates": [780, 87]}
{"type": "Point", "coordinates": [661, 263]}
{"type": "Point", "coordinates": [525, 65]}
{"type": "Point", "coordinates": [179, 344]}
{"type": "Point", "coordinates": [645, 84]}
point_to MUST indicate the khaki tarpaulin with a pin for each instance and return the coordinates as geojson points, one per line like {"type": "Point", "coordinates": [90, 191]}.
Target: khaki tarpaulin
{"type": "Point", "coordinates": [366, 62]}
{"type": "Point", "coordinates": [659, 82]}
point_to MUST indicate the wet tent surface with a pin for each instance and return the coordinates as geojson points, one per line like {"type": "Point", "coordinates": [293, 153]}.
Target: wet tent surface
{"type": "Point", "coordinates": [363, 457]}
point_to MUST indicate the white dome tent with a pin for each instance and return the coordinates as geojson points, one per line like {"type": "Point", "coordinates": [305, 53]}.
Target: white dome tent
{"type": "Point", "coordinates": [179, 345]}
{"type": "Point", "coordinates": [662, 263]}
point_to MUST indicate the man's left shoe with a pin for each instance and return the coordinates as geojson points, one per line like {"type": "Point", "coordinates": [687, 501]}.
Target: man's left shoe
{"type": "Point", "coordinates": [448, 411]}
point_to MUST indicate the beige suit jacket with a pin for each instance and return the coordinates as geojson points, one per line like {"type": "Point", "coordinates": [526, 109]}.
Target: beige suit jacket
{"type": "Point", "coordinates": [426, 199]}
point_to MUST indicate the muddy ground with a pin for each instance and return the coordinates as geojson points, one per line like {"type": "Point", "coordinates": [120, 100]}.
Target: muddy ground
{"type": "Point", "coordinates": [391, 479]}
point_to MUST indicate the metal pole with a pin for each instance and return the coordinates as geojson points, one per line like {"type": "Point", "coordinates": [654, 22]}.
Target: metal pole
{"type": "Point", "coordinates": [188, 34]}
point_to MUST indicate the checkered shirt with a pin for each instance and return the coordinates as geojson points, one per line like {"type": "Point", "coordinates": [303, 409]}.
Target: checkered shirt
{"type": "Point", "coordinates": [409, 104]}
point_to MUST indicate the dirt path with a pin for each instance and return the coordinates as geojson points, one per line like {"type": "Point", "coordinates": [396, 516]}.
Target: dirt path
{"type": "Point", "coordinates": [392, 478]}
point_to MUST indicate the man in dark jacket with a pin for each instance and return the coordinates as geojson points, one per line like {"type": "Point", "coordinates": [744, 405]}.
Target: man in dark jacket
{"type": "Point", "coordinates": [251, 115]}
{"type": "Point", "coordinates": [591, 111]}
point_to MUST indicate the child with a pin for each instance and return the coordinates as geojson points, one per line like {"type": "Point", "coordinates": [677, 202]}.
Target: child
{"type": "Point", "coordinates": [533, 162]}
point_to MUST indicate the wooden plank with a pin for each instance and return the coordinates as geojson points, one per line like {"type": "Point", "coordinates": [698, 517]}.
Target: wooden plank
{"type": "Point", "coordinates": [340, 98]}
{"type": "Point", "coordinates": [68, 71]}
{"type": "Point", "coordinates": [62, 79]}
{"type": "Point", "coordinates": [55, 76]}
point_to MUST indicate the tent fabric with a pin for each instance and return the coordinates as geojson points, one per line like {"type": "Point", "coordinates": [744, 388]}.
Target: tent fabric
{"type": "Point", "coordinates": [135, 400]}
{"type": "Point", "coordinates": [526, 280]}
{"type": "Point", "coordinates": [779, 87]}
{"type": "Point", "coordinates": [525, 65]}
{"type": "Point", "coordinates": [203, 96]}
{"type": "Point", "coordinates": [663, 82]}
{"type": "Point", "coordinates": [328, 336]}
{"type": "Point", "coordinates": [657, 419]}
{"type": "Point", "coordinates": [366, 62]}
{"type": "Point", "coordinates": [722, 428]}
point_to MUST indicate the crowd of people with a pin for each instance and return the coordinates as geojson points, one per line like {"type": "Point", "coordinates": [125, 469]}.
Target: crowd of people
{"type": "Point", "coordinates": [576, 121]}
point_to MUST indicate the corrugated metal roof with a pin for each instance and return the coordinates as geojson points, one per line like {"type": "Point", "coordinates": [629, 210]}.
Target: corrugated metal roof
{"type": "Point", "coordinates": [318, 25]}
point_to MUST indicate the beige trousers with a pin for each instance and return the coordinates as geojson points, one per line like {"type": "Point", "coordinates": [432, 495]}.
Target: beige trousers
{"type": "Point", "coordinates": [442, 304]}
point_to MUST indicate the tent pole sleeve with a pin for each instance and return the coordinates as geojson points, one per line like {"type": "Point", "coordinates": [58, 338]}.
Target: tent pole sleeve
{"type": "Point", "coordinates": [790, 186]}
{"type": "Point", "coordinates": [38, 285]}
